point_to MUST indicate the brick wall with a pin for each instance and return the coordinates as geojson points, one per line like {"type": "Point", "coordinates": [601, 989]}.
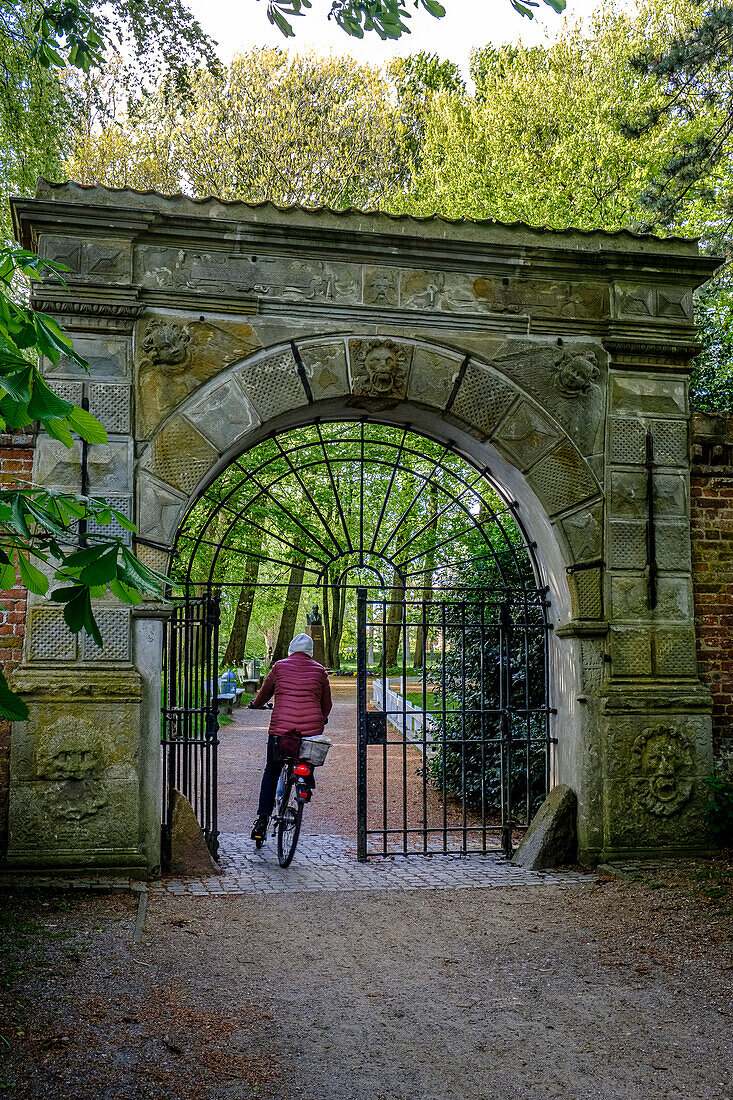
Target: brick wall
{"type": "Point", "coordinates": [712, 566]}
{"type": "Point", "coordinates": [16, 460]}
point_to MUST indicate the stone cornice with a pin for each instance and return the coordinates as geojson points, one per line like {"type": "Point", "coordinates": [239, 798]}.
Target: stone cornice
{"type": "Point", "coordinates": [492, 248]}
{"type": "Point", "coordinates": [52, 682]}
{"type": "Point", "coordinates": [88, 300]}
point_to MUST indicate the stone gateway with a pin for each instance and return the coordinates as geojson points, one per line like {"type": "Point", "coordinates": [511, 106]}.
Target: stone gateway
{"type": "Point", "coordinates": [558, 360]}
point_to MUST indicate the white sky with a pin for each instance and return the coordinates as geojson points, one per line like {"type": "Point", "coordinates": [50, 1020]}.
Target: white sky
{"type": "Point", "coordinates": [239, 25]}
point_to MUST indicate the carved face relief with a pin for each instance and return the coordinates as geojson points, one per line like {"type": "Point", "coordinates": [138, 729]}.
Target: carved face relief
{"type": "Point", "coordinates": [575, 372]}
{"type": "Point", "coordinates": [166, 345]}
{"type": "Point", "coordinates": [71, 751]}
{"type": "Point", "coordinates": [660, 765]}
{"type": "Point", "coordinates": [379, 368]}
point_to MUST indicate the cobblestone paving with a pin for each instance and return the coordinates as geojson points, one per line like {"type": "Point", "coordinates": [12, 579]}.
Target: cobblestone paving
{"type": "Point", "coordinates": [328, 863]}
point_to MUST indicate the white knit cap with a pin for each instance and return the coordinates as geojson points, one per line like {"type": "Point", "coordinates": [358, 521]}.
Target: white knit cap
{"type": "Point", "coordinates": [301, 643]}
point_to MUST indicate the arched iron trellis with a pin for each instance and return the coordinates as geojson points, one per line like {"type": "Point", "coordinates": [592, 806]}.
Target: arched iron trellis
{"type": "Point", "coordinates": [446, 580]}
{"type": "Point", "coordinates": [354, 490]}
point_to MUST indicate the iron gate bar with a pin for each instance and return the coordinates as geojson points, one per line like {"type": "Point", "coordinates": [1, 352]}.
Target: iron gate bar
{"type": "Point", "coordinates": [189, 733]}
{"type": "Point", "coordinates": [333, 485]}
{"type": "Point", "coordinates": [265, 490]}
{"type": "Point", "coordinates": [523, 720]}
{"type": "Point", "coordinates": [395, 468]}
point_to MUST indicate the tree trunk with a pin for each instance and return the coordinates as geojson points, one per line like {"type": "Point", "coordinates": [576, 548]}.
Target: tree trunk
{"type": "Point", "coordinates": [289, 616]}
{"type": "Point", "coordinates": [234, 656]}
{"type": "Point", "coordinates": [394, 622]}
{"type": "Point", "coordinates": [427, 590]}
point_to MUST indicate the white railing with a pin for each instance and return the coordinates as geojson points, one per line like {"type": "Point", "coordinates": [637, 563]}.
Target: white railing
{"type": "Point", "coordinates": [409, 717]}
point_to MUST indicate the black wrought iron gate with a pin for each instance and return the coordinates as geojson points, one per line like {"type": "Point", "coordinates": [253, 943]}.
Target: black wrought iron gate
{"type": "Point", "coordinates": [453, 721]}
{"type": "Point", "coordinates": [189, 712]}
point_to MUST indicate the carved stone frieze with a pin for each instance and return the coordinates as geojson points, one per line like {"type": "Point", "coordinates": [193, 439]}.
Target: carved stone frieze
{"type": "Point", "coordinates": [174, 359]}
{"type": "Point", "coordinates": [660, 767]}
{"type": "Point", "coordinates": [567, 379]}
{"type": "Point", "coordinates": [379, 368]}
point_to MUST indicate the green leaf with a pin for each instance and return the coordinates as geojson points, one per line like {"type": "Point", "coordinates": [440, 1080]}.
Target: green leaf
{"type": "Point", "coordinates": [102, 570]}
{"type": "Point", "coordinates": [32, 578]}
{"type": "Point", "coordinates": [57, 430]}
{"type": "Point", "coordinates": [124, 522]}
{"type": "Point", "coordinates": [45, 404]}
{"type": "Point", "coordinates": [124, 592]}
{"type": "Point", "coordinates": [12, 707]}
{"type": "Point", "coordinates": [438, 11]}
{"type": "Point", "coordinates": [7, 576]}
{"type": "Point", "coordinates": [18, 384]}
{"type": "Point", "coordinates": [87, 426]}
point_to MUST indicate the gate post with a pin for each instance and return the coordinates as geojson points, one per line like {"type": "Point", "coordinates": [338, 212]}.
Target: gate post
{"type": "Point", "coordinates": [361, 708]}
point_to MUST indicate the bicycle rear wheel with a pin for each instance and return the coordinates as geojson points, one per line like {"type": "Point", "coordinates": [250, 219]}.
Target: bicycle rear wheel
{"type": "Point", "coordinates": [288, 826]}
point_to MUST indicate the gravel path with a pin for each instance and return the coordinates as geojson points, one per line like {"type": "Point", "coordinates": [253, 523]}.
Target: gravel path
{"type": "Point", "coordinates": [242, 745]}
{"type": "Point", "coordinates": [617, 991]}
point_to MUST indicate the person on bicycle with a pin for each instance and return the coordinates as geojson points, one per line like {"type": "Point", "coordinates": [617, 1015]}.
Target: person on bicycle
{"type": "Point", "coordinates": [301, 709]}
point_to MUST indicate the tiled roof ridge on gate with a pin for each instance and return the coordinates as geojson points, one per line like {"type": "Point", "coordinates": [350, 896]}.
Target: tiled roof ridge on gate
{"type": "Point", "coordinates": [53, 190]}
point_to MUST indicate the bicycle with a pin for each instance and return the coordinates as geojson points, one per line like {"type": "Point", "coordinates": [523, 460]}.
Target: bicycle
{"type": "Point", "coordinates": [293, 791]}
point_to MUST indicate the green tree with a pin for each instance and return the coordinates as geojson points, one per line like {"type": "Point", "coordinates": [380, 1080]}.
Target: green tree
{"type": "Point", "coordinates": [540, 139]}
{"type": "Point", "coordinates": [291, 129]}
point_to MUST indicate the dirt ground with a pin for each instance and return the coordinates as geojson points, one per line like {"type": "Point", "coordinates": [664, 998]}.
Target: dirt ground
{"type": "Point", "coordinates": [621, 990]}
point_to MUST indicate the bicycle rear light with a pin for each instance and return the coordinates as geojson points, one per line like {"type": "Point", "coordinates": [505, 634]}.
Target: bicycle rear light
{"type": "Point", "coordinates": [302, 769]}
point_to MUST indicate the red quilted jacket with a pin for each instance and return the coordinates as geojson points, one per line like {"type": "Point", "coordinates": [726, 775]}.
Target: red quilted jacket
{"type": "Point", "coordinates": [302, 695]}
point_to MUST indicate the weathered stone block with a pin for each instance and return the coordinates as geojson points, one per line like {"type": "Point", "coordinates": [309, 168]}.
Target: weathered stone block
{"type": "Point", "coordinates": [88, 259]}
{"type": "Point", "coordinates": [108, 357]}
{"type": "Point", "coordinates": [562, 479]}
{"type": "Point", "coordinates": [70, 820]}
{"type": "Point", "coordinates": [272, 384]}
{"type": "Point", "coordinates": [483, 398]}
{"type": "Point", "coordinates": [631, 651]}
{"type": "Point", "coordinates": [159, 510]}
{"type": "Point", "coordinates": [584, 532]}
{"type": "Point", "coordinates": [152, 557]}
{"type": "Point", "coordinates": [552, 837]}
{"type": "Point", "coordinates": [179, 455]}
{"type": "Point", "coordinates": [222, 414]}
{"type": "Point", "coordinates": [114, 626]}
{"type": "Point", "coordinates": [670, 495]}
{"type": "Point", "coordinates": [111, 404]}
{"type": "Point", "coordinates": [325, 367]}
{"type": "Point", "coordinates": [629, 596]}
{"type": "Point", "coordinates": [381, 286]}
{"type": "Point", "coordinates": [76, 740]}
{"type": "Point", "coordinates": [674, 598]}
{"type": "Point", "coordinates": [110, 466]}
{"type": "Point", "coordinates": [189, 853]}
{"type": "Point", "coordinates": [670, 439]}
{"type": "Point", "coordinates": [526, 434]}
{"type": "Point", "coordinates": [646, 395]}
{"type": "Point", "coordinates": [673, 546]}
{"type": "Point", "coordinates": [57, 466]}
{"type": "Point", "coordinates": [587, 594]}
{"type": "Point", "coordinates": [432, 377]}
{"type": "Point", "coordinates": [627, 544]}
{"type": "Point", "coordinates": [627, 441]}
{"type": "Point", "coordinates": [675, 652]}
{"type": "Point", "coordinates": [68, 391]}
{"type": "Point", "coordinates": [48, 638]}
{"type": "Point", "coordinates": [628, 494]}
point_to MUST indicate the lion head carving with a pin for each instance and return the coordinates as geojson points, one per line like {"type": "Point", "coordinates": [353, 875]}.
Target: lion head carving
{"type": "Point", "coordinates": [165, 344]}
{"type": "Point", "coordinates": [660, 765]}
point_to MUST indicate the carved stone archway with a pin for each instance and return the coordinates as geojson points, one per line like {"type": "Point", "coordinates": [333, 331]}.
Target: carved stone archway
{"type": "Point", "coordinates": [555, 359]}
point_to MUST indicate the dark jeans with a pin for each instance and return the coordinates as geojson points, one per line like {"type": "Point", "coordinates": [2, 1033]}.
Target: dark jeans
{"type": "Point", "coordinates": [270, 776]}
